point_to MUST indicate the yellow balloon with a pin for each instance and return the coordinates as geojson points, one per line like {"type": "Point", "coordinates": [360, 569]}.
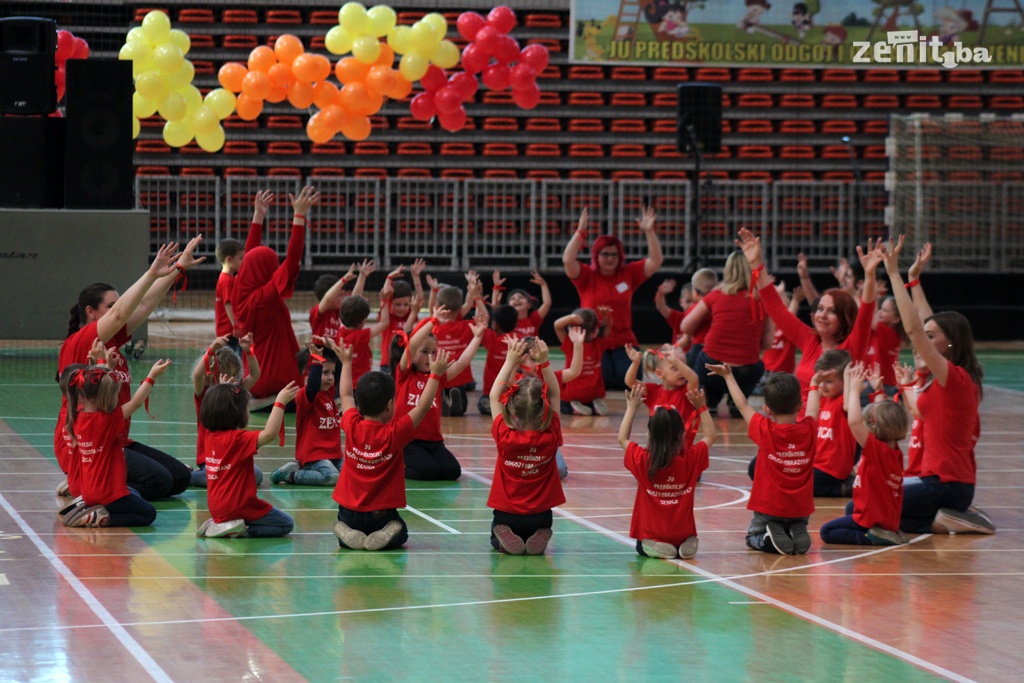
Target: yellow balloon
{"type": "Point", "coordinates": [152, 85]}
{"type": "Point", "coordinates": [423, 38]}
{"type": "Point", "coordinates": [436, 22]}
{"type": "Point", "coordinates": [212, 140]}
{"type": "Point", "coordinates": [141, 66]}
{"type": "Point", "coordinates": [182, 77]}
{"type": "Point", "coordinates": [338, 41]}
{"type": "Point", "coordinates": [366, 49]}
{"type": "Point", "coordinates": [137, 35]}
{"type": "Point", "coordinates": [156, 26]}
{"type": "Point", "coordinates": [204, 119]}
{"type": "Point", "coordinates": [413, 66]}
{"type": "Point", "coordinates": [352, 16]}
{"type": "Point", "coordinates": [398, 39]}
{"type": "Point", "coordinates": [193, 98]}
{"type": "Point", "coordinates": [446, 55]}
{"type": "Point", "coordinates": [173, 108]}
{"type": "Point", "coordinates": [382, 20]}
{"type": "Point", "coordinates": [221, 101]}
{"type": "Point", "coordinates": [167, 58]}
{"type": "Point", "coordinates": [136, 128]}
{"type": "Point", "coordinates": [178, 133]}
{"type": "Point", "coordinates": [135, 51]}
{"type": "Point", "coordinates": [142, 107]}
{"type": "Point", "coordinates": [180, 40]}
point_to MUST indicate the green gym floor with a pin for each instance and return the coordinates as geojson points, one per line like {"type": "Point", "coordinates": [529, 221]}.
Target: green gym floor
{"type": "Point", "coordinates": [158, 604]}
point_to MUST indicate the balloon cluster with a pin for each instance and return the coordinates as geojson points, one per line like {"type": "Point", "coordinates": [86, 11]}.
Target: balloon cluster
{"type": "Point", "coordinates": [163, 84]}
{"type": "Point", "coordinates": [273, 74]}
{"type": "Point", "coordinates": [68, 47]}
{"type": "Point", "coordinates": [423, 44]}
{"type": "Point", "coordinates": [444, 97]}
{"type": "Point", "coordinates": [496, 56]}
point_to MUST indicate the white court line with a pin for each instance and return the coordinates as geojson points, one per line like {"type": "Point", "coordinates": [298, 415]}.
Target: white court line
{"type": "Point", "coordinates": [432, 520]}
{"type": "Point", "coordinates": [147, 663]}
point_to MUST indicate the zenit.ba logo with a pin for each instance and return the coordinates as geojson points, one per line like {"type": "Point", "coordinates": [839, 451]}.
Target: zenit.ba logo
{"type": "Point", "coordinates": [907, 47]}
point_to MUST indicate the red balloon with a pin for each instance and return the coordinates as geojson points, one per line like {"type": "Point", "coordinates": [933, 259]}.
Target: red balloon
{"type": "Point", "coordinates": [60, 79]}
{"type": "Point", "coordinates": [422, 107]}
{"type": "Point", "coordinates": [535, 56]}
{"type": "Point", "coordinates": [469, 23]}
{"type": "Point", "coordinates": [81, 49]}
{"type": "Point", "coordinates": [496, 77]}
{"type": "Point", "coordinates": [502, 19]}
{"type": "Point", "coordinates": [466, 84]}
{"type": "Point", "coordinates": [65, 45]}
{"type": "Point", "coordinates": [507, 50]}
{"type": "Point", "coordinates": [522, 77]}
{"type": "Point", "coordinates": [434, 79]}
{"type": "Point", "coordinates": [447, 100]}
{"type": "Point", "coordinates": [453, 121]}
{"type": "Point", "coordinates": [487, 39]}
{"type": "Point", "coordinates": [527, 98]}
{"type": "Point", "coordinates": [474, 59]}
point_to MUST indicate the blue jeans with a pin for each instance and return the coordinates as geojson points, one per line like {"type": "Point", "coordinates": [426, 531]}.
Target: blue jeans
{"type": "Point", "coordinates": [274, 524]}
{"type": "Point", "coordinates": [715, 387]}
{"type": "Point", "coordinates": [923, 498]}
{"type": "Point", "coordinates": [318, 473]}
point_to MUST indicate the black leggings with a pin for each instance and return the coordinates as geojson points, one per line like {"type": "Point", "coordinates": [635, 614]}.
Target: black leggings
{"type": "Point", "coordinates": [522, 526]}
{"type": "Point", "coordinates": [155, 474]}
{"type": "Point", "coordinates": [131, 510]}
{"type": "Point", "coordinates": [368, 522]}
{"type": "Point", "coordinates": [430, 461]}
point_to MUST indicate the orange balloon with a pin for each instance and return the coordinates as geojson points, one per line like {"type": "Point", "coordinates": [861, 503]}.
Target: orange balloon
{"type": "Point", "coordinates": [256, 85]}
{"type": "Point", "coordinates": [387, 56]}
{"type": "Point", "coordinates": [333, 115]}
{"type": "Point", "coordinates": [354, 97]}
{"type": "Point", "coordinates": [248, 109]}
{"type": "Point", "coordinates": [317, 130]}
{"type": "Point", "coordinates": [304, 68]}
{"type": "Point", "coordinates": [324, 94]}
{"type": "Point", "coordinates": [374, 102]}
{"type": "Point", "coordinates": [321, 68]}
{"type": "Point", "coordinates": [230, 76]}
{"type": "Point", "coordinates": [379, 80]}
{"type": "Point", "coordinates": [351, 70]}
{"type": "Point", "coordinates": [287, 48]}
{"type": "Point", "coordinates": [400, 88]}
{"type": "Point", "coordinates": [300, 95]}
{"type": "Point", "coordinates": [281, 74]}
{"type": "Point", "coordinates": [356, 127]}
{"type": "Point", "coordinates": [276, 93]}
{"type": "Point", "coordinates": [261, 59]}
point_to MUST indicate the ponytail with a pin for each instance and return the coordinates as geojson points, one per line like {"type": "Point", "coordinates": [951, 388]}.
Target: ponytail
{"type": "Point", "coordinates": [665, 432]}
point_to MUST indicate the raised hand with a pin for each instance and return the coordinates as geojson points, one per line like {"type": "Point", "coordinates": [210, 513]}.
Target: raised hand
{"type": "Point", "coordinates": [920, 261]}
{"type": "Point", "coordinates": [159, 368]}
{"type": "Point", "coordinates": [499, 281]}
{"type": "Point", "coordinates": [188, 258]}
{"type": "Point", "coordinates": [537, 279]}
{"type": "Point", "coordinates": [891, 254]}
{"type": "Point", "coordinates": [696, 398]}
{"type": "Point", "coordinates": [634, 354]}
{"type": "Point", "coordinates": [647, 218]}
{"type": "Point", "coordinates": [667, 286]}
{"type": "Point", "coordinates": [307, 198]}
{"type": "Point", "coordinates": [440, 362]}
{"type": "Point", "coordinates": [367, 267]}
{"type": "Point", "coordinates": [722, 370]}
{"type": "Point", "coordinates": [635, 396]}
{"type": "Point", "coordinates": [801, 266]}
{"type": "Point", "coordinates": [245, 343]}
{"type": "Point", "coordinates": [539, 351]}
{"type": "Point", "coordinates": [261, 203]}
{"type": "Point", "coordinates": [872, 257]}
{"type": "Point", "coordinates": [418, 267]}
{"type": "Point", "coordinates": [396, 273]}
{"type": "Point", "coordinates": [576, 334]}
{"type": "Point", "coordinates": [287, 395]}
{"type": "Point", "coordinates": [163, 262]}
{"type": "Point", "coordinates": [751, 247]}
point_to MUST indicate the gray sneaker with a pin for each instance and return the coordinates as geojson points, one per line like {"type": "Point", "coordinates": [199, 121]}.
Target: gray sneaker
{"type": "Point", "coordinates": [62, 489]}
{"type": "Point", "coordinates": [688, 548]}
{"type": "Point", "coordinates": [380, 539]}
{"type": "Point", "coordinates": [350, 537]}
{"type": "Point", "coordinates": [233, 528]}
{"type": "Point", "coordinates": [600, 407]}
{"type": "Point", "coordinates": [508, 540]}
{"type": "Point", "coordinates": [879, 536]}
{"type": "Point", "coordinates": [776, 533]}
{"type": "Point", "coordinates": [580, 409]}
{"type": "Point", "coordinates": [801, 539]}
{"type": "Point", "coordinates": [659, 549]}
{"type": "Point", "coordinates": [91, 516]}
{"type": "Point", "coordinates": [285, 474]}
{"type": "Point", "coordinates": [537, 543]}
{"type": "Point", "coordinates": [950, 521]}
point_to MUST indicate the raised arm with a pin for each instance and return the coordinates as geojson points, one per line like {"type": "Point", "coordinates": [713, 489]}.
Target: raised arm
{"type": "Point", "coordinates": [516, 349]}
{"type": "Point", "coordinates": [121, 312]}
{"type": "Point", "coordinates": [200, 368]}
{"type": "Point", "coordinates": [654, 256]}
{"type": "Point", "coordinates": [156, 293]}
{"type": "Point", "coordinates": [565, 321]}
{"type": "Point", "coordinates": [634, 399]}
{"type": "Point", "coordinates": [245, 343]}
{"type": "Point", "coordinates": [142, 393]}
{"type": "Point", "coordinates": [345, 389]}
{"type": "Point", "coordinates": [725, 372]}
{"type": "Point", "coordinates": [571, 253]}
{"type": "Point", "coordinates": [853, 382]}
{"type": "Point", "coordinates": [907, 380]}
{"type": "Point", "coordinates": [276, 419]}
{"type": "Point", "coordinates": [635, 358]}
{"type": "Point", "coordinates": [924, 309]}
{"type": "Point", "coordinates": [497, 287]}
{"type": "Point", "coordinates": [678, 361]}
{"type": "Point", "coordinates": [664, 289]}
{"type": "Point", "coordinates": [334, 293]}
{"type": "Point", "coordinates": [438, 369]}
{"type": "Point", "coordinates": [577, 337]}
{"type": "Point", "coordinates": [314, 376]}
{"type": "Point", "coordinates": [707, 425]}
{"type": "Point", "coordinates": [416, 269]}
{"type": "Point", "coordinates": [383, 313]}
{"type": "Point", "coordinates": [366, 269]}
{"type": "Point", "coordinates": [814, 398]}
{"type": "Point", "coordinates": [466, 357]}
{"type": "Point", "coordinates": [692, 322]}
{"type": "Point", "coordinates": [542, 359]}
{"type": "Point", "coordinates": [284, 278]}
{"type": "Point", "coordinates": [805, 277]}
{"type": "Point", "coordinates": [261, 203]}
{"type": "Point", "coordinates": [545, 294]}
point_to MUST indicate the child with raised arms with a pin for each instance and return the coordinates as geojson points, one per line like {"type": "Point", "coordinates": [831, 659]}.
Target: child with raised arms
{"type": "Point", "coordinates": [371, 487]}
{"type": "Point", "coordinates": [669, 366]}
{"type": "Point", "coordinates": [453, 334]}
{"type": "Point", "coordinates": [529, 316]}
{"type": "Point", "coordinates": [357, 334]}
{"type": "Point", "coordinates": [873, 516]}
{"type": "Point", "coordinates": [403, 304]}
{"type": "Point", "coordinates": [584, 394]}
{"type": "Point", "coordinates": [835, 449]}
{"type": "Point", "coordinates": [235, 508]}
{"type": "Point", "coordinates": [666, 472]}
{"type": "Point", "coordinates": [527, 432]}
{"type": "Point", "coordinates": [503, 326]}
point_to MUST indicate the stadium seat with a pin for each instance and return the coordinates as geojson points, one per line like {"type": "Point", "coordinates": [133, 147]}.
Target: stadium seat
{"type": "Point", "coordinates": [671, 73]}
{"type": "Point", "coordinates": [797, 127]}
{"type": "Point", "coordinates": [629, 73]}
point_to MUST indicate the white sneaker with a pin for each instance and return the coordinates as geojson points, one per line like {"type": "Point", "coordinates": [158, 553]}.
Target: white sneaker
{"type": "Point", "coordinates": [950, 521]}
{"type": "Point", "coordinates": [352, 538]}
{"type": "Point", "coordinates": [62, 489]}
{"type": "Point", "coordinates": [600, 407]}
{"type": "Point", "coordinates": [688, 548]}
{"type": "Point", "coordinates": [232, 528]}
{"type": "Point", "coordinates": [580, 409]}
{"type": "Point", "coordinates": [659, 549]}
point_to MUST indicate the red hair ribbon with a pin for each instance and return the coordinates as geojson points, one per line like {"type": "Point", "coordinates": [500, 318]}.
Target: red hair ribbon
{"type": "Point", "coordinates": [691, 425]}
{"type": "Point", "coordinates": [280, 434]}
{"type": "Point", "coordinates": [756, 312]}
{"type": "Point", "coordinates": [509, 393]}
{"type": "Point", "coordinates": [93, 375]}
{"type": "Point", "coordinates": [403, 339]}
{"type": "Point", "coordinates": [182, 278]}
{"type": "Point", "coordinates": [547, 403]}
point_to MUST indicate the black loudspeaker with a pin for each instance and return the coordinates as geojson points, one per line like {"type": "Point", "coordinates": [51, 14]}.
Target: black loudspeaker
{"type": "Point", "coordinates": [99, 151]}
{"type": "Point", "coordinates": [27, 48]}
{"type": "Point", "coordinates": [699, 112]}
{"type": "Point", "coordinates": [32, 162]}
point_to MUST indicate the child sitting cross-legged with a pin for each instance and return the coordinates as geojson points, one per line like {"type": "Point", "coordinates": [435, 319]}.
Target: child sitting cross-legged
{"type": "Point", "coordinates": [371, 486]}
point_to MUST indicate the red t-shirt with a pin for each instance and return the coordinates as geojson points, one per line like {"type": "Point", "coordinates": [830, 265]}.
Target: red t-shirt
{"type": "Point", "coordinates": [317, 428]}
{"type": "Point", "coordinates": [735, 333]}
{"type": "Point", "coordinates": [454, 337]}
{"type": "Point", "coordinates": [104, 474]}
{"type": "Point", "coordinates": [362, 356]}
{"type": "Point", "coordinates": [915, 449]}
{"type": "Point", "coordinates": [528, 326]}
{"type": "Point", "coordinates": [525, 474]}
{"type": "Point", "coordinates": [884, 349]}
{"type": "Point", "coordinates": [663, 507]}
{"type": "Point", "coordinates": [615, 291]}
{"type": "Point", "coordinates": [497, 352]}
{"type": "Point", "coordinates": [781, 356]}
{"type": "Point", "coordinates": [395, 325]}
{"type": "Point", "coordinates": [835, 448]}
{"type": "Point", "coordinates": [409, 386]}
{"type": "Point", "coordinates": [658, 395]}
{"type": "Point", "coordinates": [231, 480]}
{"type": "Point", "coordinates": [590, 383]}
{"type": "Point", "coordinates": [75, 349]}
{"type": "Point", "coordinates": [674, 320]}
{"type": "Point", "coordinates": [878, 488]}
{"type": "Point", "coordinates": [783, 484]}
{"type": "Point", "coordinates": [951, 427]}
{"type": "Point", "coordinates": [373, 475]}
{"type": "Point", "coordinates": [222, 297]}
{"type": "Point", "coordinates": [324, 323]}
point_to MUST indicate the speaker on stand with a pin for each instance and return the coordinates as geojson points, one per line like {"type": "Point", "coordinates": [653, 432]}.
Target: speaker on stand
{"type": "Point", "coordinates": [99, 121]}
{"type": "Point", "coordinates": [27, 62]}
{"type": "Point", "coordinates": [698, 131]}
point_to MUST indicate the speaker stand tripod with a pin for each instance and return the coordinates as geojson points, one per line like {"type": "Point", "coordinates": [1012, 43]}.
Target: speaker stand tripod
{"type": "Point", "coordinates": [697, 240]}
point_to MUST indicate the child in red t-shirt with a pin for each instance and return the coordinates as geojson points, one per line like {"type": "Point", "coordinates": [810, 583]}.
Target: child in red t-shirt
{"type": "Point", "coordinates": [235, 508]}
{"type": "Point", "coordinates": [503, 324]}
{"type": "Point", "coordinates": [674, 317]}
{"type": "Point", "coordinates": [99, 432]}
{"type": "Point", "coordinates": [356, 334]}
{"type": "Point", "coordinates": [371, 487]}
{"type": "Point", "coordinates": [668, 365]}
{"type": "Point", "coordinates": [230, 254]}
{"type": "Point", "coordinates": [911, 381]}
{"type": "Point", "coordinates": [666, 472]}
{"type": "Point", "coordinates": [527, 432]}
{"type": "Point", "coordinates": [329, 290]}
{"type": "Point", "coordinates": [583, 395]}
{"type": "Point", "coordinates": [218, 365]}
{"type": "Point", "coordinates": [782, 495]}
{"type": "Point", "coordinates": [403, 307]}
{"type": "Point", "coordinates": [530, 316]}
{"type": "Point", "coordinates": [453, 334]}
{"type": "Point", "coordinates": [317, 424]}
{"type": "Point", "coordinates": [887, 338]}
{"type": "Point", "coordinates": [835, 450]}
{"type": "Point", "coordinates": [873, 516]}
{"type": "Point", "coordinates": [426, 457]}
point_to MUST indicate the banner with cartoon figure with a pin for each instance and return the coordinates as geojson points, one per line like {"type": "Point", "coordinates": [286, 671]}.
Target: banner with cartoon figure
{"type": "Point", "coordinates": [901, 34]}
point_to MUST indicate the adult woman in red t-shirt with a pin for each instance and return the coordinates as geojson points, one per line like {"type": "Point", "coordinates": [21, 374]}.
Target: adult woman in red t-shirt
{"type": "Point", "coordinates": [838, 323]}
{"type": "Point", "coordinates": [736, 336]}
{"type": "Point", "coordinates": [940, 500]}
{"type": "Point", "coordinates": [610, 281]}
